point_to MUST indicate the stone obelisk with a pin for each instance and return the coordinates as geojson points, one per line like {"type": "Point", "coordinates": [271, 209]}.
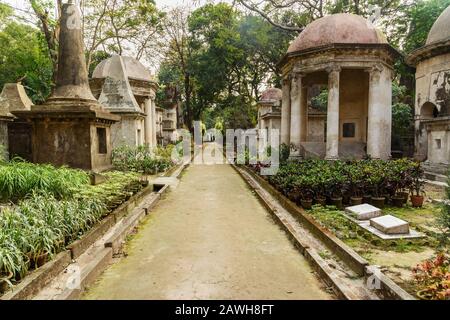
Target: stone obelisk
{"type": "Point", "coordinates": [71, 127]}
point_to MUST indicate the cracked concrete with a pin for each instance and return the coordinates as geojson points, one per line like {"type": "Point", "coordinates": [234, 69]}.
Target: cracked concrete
{"type": "Point", "coordinates": [210, 238]}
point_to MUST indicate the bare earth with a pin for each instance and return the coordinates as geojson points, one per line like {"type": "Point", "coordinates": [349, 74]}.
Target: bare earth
{"type": "Point", "coordinates": [209, 238]}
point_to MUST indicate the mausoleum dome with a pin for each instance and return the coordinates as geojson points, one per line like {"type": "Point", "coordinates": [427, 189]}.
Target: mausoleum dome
{"type": "Point", "coordinates": [271, 94]}
{"type": "Point", "coordinates": [341, 28]}
{"type": "Point", "coordinates": [134, 69]}
{"type": "Point", "coordinates": [440, 31]}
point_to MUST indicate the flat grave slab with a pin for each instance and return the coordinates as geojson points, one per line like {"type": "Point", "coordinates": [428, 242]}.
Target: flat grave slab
{"type": "Point", "coordinates": [390, 225]}
{"type": "Point", "coordinates": [365, 224]}
{"type": "Point", "coordinates": [363, 211]}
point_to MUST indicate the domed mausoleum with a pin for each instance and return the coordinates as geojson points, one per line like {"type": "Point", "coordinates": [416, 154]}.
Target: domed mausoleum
{"type": "Point", "coordinates": [126, 88]}
{"type": "Point", "coordinates": [269, 111]}
{"type": "Point", "coordinates": [349, 56]}
{"type": "Point", "coordinates": [432, 103]}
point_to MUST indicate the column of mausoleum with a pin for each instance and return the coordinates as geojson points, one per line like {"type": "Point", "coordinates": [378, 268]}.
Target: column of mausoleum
{"type": "Point", "coordinates": [154, 121]}
{"type": "Point", "coordinates": [379, 113]}
{"type": "Point", "coordinates": [148, 123]}
{"type": "Point", "coordinates": [296, 115]}
{"type": "Point", "coordinates": [286, 112]}
{"type": "Point", "coordinates": [332, 147]}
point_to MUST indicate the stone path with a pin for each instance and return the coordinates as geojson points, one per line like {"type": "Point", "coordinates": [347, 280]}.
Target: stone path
{"type": "Point", "coordinates": [209, 238]}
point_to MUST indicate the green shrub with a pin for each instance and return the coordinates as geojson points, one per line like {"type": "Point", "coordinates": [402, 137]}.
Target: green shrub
{"type": "Point", "coordinates": [322, 178]}
{"type": "Point", "coordinates": [19, 179]}
{"type": "Point", "coordinates": [42, 225]}
{"type": "Point", "coordinates": [140, 159]}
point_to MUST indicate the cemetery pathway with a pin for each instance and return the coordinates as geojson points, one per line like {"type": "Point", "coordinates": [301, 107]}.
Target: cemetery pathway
{"type": "Point", "coordinates": [209, 238]}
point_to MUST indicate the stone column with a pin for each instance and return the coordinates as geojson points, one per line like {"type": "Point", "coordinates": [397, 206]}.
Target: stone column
{"type": "Point", "coordinates": [153, 108]}
{"type": "Point", "coordinates": [332, 148]}
{"type": "Point", "coordinates": [148, 123]}
{"type": "Point", "coordinates": [286, 112]}
{"type": "Point", "coordinates": [296, 115]}
{"type": "Point", "coordinates": [379, 113]}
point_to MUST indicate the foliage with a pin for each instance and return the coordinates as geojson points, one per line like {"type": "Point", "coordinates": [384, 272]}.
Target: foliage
{"type": "Point", "coordinates": [42, 225]}
{"type": "Point", "coordinates": [434, 276]}
{"type": "Point", "coordinates": [141, 159]}
{"type": "Point", "coordinates": [322, 178]}
{"type": "Point", "coordinates": [24, 56]}
{"type": "Point", "coordinates": [117, 188]}
{"type": "Point", "coordinates": [444, 219]}
{"type": "Point", "coordinates": [320, 101]}
{"type": "Point", "coordinates": [420, 18]}
{"type": "Point", "coordinates": [19, 179]}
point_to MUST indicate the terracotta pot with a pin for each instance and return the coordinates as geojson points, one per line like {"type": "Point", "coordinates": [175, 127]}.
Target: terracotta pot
{"type": "Point", "coordinates": [337, 202]}
{"type": "Point", "coordinates": [321, 201]}
{"type": "Point", "coordinates": [377, 202]}
{"type": "Point", "coordinates": [354, 201]}
{"type": "Point", "coordinates": [366, 198]}
{"type": "Point", "coordinates": [4, 285]}
{"type": "Point", "coordinates": [417, 201]}
{"type": "Point", "coordinates": [306, 204]}
{"type": "Point", "coordinates": [398, 201]}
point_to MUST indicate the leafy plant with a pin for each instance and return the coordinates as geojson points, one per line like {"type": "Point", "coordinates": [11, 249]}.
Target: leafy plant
{"type": "Point", "coordinates": [19, 179]}
{"type": "Point", "coordinates": [141, 159]}
{"type": "Point", "coordinates": [434, 276]}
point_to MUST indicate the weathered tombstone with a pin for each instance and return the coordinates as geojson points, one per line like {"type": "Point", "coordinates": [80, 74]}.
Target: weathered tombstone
{"type": "Point", "coordinates": [71, 127]}
{"type": "Point", "coordinates": [390, 225]}
{"type": "Point", "coordinates": [363, 211]}
{"type": "Point", "coordinates": [15, 133]}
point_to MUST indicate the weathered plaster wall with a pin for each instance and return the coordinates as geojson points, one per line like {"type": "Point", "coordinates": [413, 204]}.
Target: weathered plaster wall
{"type": "Point", "coordinates": [316, 129]}
{"type": "Point", "coordinates": [3, 138]}
{"type": "Point", "coordinates": [432, 86]}
{"type": "Point", "coordinates": [54, 142]}
{"type": "Point", "coordinates": [353, 100]}
{"type": "Point", "coordinates": [125, 132]}
{"type": "Point", "coordinates": [100, 162]}
{"type": "Point", "coordinates": [439, 145]}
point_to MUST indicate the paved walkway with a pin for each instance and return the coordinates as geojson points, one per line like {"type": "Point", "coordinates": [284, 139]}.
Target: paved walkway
{"type": "Point", "coordinates": [209, 238]}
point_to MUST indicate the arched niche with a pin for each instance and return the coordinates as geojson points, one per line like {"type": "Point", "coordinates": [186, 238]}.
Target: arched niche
{"type": "Point", "coordinates": [429, 111]}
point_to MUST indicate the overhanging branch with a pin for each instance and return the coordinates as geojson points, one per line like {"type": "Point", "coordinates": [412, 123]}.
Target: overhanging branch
{"type": "Point", "coordinates": [265, 16]}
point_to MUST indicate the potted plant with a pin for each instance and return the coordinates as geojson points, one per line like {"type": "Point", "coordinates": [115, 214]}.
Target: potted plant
{"type": "Point", "coordinates": [355, 178]}
{"type": "Point", "coordinates": [306, 192]}
{"type": "Point", "coordinates": [335, 186]}
{"type": "Point", "coordinates": [319, 187]}
{"type": "Point", "coordinates": [417, 185]}
{"type": "Point", "coordinates": [377, 180]}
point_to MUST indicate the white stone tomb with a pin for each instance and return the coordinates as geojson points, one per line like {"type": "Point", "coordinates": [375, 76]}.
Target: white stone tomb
{"type": "Point", "coordinates": [390, 225]}
{"type": "Point", "coordinates": [363, 211]}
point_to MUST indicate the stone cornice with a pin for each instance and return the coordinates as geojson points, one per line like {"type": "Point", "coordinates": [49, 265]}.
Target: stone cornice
{"type": "Point", "coordinates": [429, 51]}
{"type": "Point", "coordinates": [343, 47]}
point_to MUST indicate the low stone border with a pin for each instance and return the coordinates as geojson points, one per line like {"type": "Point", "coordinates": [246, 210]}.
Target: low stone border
{"type": "Point", "coordinates": [388, 289]}
{"type": "Point", "coordinates": [39, 278]}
